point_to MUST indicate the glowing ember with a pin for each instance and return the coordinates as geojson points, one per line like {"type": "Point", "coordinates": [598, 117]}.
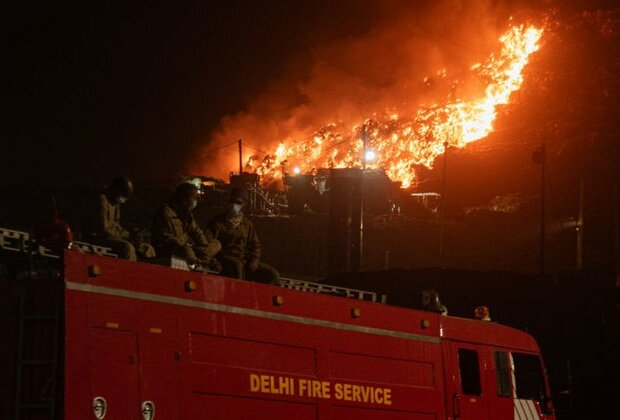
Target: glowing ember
{"type": "Point", "coordinates": [400, 143]}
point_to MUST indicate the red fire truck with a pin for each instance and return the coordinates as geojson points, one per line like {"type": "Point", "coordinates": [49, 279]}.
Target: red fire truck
{"type": "Point", "coordinates": [143, 341]}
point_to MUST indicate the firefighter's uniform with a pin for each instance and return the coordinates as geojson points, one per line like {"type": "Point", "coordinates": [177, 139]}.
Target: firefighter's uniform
{"type": "Point", "coordinates": [176, 233]}
{"type": "Point", "coordinates": [109, 232]}
{"type": "Point", "coordinates": [240, 248]}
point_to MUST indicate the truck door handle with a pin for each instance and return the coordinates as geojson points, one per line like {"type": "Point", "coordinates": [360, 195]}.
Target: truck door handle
{"type": "Point", "coordinates": [148, 410]}
{"type": "Point", "coordinates": [100, 407]}
{"type": "Point", "coordinates": [456, 405]}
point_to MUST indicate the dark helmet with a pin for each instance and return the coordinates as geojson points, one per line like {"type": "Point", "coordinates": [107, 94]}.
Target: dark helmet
{"type": "Point", "coordinates": [239, 196]}
{"type": "Point", "coordinates": [122, 186]}
{"type": "Point", "coordinates": [185, 191]}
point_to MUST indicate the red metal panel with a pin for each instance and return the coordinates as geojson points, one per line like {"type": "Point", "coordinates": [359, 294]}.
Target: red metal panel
{"type": "Point", "coordinates": [113, 371]}
{"type": "Point", "coordinates": [251, 354]}
{"type": "Point", "coordinates": [159, 374]}
{"type": "Point", "coordinates": [232, 376]}
{"type": "Point", "coordinates": [116, 312]}
{"type": "Point", "coordinates": [467, 406]}
{"type": "Point", "coordinates": [499, 406]}
{"type": "Point", "coordinates": [147, 278]}
{"type": "Point", "coordinates": [353, 413]}
{"type": "Point", "coordinates": [77, 383]}
{"type": "Point", "coordinates": [386, 370]}
{"type": "Point", "coordinates": [227, 407]}
{"type": "Point", "coordinates": [475, 331]}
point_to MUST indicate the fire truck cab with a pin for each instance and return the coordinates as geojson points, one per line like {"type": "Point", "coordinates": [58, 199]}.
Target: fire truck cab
{"type": "Point", "coordinates": [146, 341]}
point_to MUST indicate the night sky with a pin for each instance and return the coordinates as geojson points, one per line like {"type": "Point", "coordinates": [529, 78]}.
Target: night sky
{"type": "Point", "coordinates": [98, 89]}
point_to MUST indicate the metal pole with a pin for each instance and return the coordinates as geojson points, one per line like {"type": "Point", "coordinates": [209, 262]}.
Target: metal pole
{"type": "Point", "coordinates": [361, 192]}
{"type": "Point", "coordinates": [240, 156]}
{"type": "Point", "coordinates": [579, 228]}
{"type": "Point", "coordinates": [443, 199]}
{"type": "Point", "coordinates": [616, 236]}
{"type": "Point", "coordinates": [361, 256]}
{"type": "Point", "coordinates": [364, 148]}
{"type": "Point", "coordinates": [443, 172]}
{"type": "Point", "coordinates": [543, 163]}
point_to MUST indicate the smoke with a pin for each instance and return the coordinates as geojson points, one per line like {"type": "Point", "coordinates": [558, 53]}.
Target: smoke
{"type": "Point", "coordinates": [411, 56]}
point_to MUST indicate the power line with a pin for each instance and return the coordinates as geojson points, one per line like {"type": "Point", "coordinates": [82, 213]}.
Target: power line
{"type": "Point", "coordinates": [255, 149]}
{"type": "Point", "coordinates": [218, 148]}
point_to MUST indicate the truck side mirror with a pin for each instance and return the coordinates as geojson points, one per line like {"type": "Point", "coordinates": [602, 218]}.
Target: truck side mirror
{"type": "Point", "coordinates": [546, 406]}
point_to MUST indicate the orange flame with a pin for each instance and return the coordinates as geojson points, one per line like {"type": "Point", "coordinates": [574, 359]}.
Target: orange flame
{"type": "Point", "coordinates": [402, 143]}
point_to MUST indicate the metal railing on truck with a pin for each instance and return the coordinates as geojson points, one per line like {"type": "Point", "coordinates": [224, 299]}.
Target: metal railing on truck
{"type": "Point", "coordinates": [311, 287]}
{"type": "Point", "coordinates": [20, 241]}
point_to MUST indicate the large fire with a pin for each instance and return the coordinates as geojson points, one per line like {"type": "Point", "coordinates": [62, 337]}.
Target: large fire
{"type": "Point", "coordinates": [399, 143]}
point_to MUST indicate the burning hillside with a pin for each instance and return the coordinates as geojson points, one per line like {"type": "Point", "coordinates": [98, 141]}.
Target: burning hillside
{"type": "Point", "coordinates": [399, 134]}
{"type": "Point", "coordinates": [398, 144]}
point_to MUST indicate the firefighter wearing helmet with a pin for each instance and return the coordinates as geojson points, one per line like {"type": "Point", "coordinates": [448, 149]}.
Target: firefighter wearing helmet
{"type": "Point", "coordinates": [107, 229]}
{"type": "Point", "coordinates": [240, 254]}
{"type": "Point", "coordinates": [176, 233]}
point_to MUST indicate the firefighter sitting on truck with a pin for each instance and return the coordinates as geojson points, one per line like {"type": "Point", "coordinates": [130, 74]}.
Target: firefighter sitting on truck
{"type": "Point", "coordinates": [106, 227]}
{"type": "Point", "coordinates": [240, 254]}
{"type": "Point", "coordinates": [175, 231]}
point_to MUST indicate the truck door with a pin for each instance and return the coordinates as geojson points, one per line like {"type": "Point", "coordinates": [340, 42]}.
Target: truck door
{"type": "Point", "coordinates": [466, 381]}
{"type": "Point", "coordinates": [500, 394]}
{"type": "Point", "coordinates": [114, 374]}
{"type": "Point", "coordinates": [159, 378]}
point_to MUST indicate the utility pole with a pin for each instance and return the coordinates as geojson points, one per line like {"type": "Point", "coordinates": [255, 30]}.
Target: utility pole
{"type": "Point", "coordinates": [364, 141]}
{"type": "Point", "coordinates": [442, 208]}
{"type": "Point", "coordinates": [240, 143]}
{"type": "Point", "coordinates": [543, 159]}
{"type": "Point", "coordinates": [617, 235]}
{"type": "Point", "coordinates": [361, 239]}
{"type": "Point", "coordinates": [539, 158]}
{"type": "Point", "coordinates": [579, 228]}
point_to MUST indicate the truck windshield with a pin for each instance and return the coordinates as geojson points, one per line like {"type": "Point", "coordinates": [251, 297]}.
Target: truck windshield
{"type": "Point", "coordinates": [529, 382]}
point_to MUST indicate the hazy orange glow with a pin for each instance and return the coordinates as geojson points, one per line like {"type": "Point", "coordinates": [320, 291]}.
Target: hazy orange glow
{"type": "Point", "coordinates": [401, 142]}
